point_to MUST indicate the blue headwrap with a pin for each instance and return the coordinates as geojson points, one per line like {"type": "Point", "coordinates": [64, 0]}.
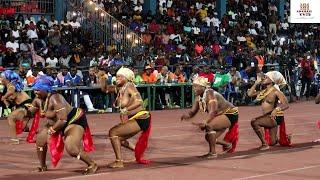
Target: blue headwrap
{"type": "Point", "coordinates": [43, 83]}
{"type": "Point", "coordinates": [14, 79]}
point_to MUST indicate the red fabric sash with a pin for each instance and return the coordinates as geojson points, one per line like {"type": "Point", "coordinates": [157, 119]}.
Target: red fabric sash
{"type": "Point", "coordinates": [283, 140]}
{"type": "Point", "coordinates": [142, 145]}
{"type": "Point", "coordinates": [56, 145]}
{"type": "Point", "coordinates": [34, 128]}
{"type": "Point", "coordinates": [232, 136]}
{"type": "Point", "coordinates": [19, 127]}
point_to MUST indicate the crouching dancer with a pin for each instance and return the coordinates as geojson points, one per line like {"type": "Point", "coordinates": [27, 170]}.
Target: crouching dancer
{"type": "Point", "coordinates": [273, 104]}
{"type": "Point", "coordinates": [66, 126]}
{"type": "Point", "coordinates": [220, 115]}
{"type": "Point", "coordinates": [18, 99]}
{"type": "Point", "coordinates": [134, 118]}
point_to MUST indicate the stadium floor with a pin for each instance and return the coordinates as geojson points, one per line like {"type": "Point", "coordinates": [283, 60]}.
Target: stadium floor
{"type": "Point", "coordinates": [173, 148]}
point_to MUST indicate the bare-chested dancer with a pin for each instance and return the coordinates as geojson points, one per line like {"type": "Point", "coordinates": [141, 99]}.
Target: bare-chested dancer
{"type": "Point", "coordinates": [63, 121]}
{"type": "Point", "coordinates": [273, 104]}
{"type": "Point", "coordinates": [221, 115]}
{"type": "Point", "coordinates": [134, 118]}
{"type": "Point", "coordinates": [18, 99]}
{"type": "Point", "coordinates": [317, 101]}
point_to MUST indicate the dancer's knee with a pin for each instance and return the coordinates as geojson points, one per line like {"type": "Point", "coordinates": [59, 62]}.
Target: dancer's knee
{"type": "Point", "coordinates": [41, 138]}
{"type": "Point", "coordinates": [210, 130]}
{"type": "Point", "coordinates": [11, 121]}
{"type": "Point", "coordinates": [254, 124]}
{"type": "Point", "coordinates": [72, 149]}
{"type": "Point", "coordinates": [113, 132]}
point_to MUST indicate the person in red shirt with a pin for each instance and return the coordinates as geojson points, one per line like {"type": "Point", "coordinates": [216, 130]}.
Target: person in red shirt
{"type": "Point", "coordinates": [154, 27]}
{"type": "Point", "coordinates": [306, 75]}
{"type": "Point", "coordinates": [198, 48]}
{"type": "Point", "coordinates": [207, 74]}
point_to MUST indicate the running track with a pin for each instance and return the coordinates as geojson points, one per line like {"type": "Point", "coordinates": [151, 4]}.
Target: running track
{"type": "Point", "coordinates": [173, 150]}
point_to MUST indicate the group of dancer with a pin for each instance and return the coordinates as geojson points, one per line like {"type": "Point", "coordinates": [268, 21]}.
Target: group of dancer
{"type": "Point", "coordinates": [67, 126]}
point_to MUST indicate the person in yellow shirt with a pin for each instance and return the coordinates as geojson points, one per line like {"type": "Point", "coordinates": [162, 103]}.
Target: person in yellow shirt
{"type": "Point", "coordinates": [202, 13]}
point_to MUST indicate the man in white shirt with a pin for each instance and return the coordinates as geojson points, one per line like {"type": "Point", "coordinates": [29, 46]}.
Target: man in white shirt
{"type": "Point", "coordinates": [53, 21]}
{"type": "Point", "coordinates": [64, 60]}
{"type": "Point", "coordinates": [138, 7]}
{"type": "Point", "coordinates": [12, 45]}
{"type": "Point", "coordinates": [75, 24]}
{"type": "Point", "coordinates": [52, 61]}
{"type": "Point", "coordinates": [32, 33]}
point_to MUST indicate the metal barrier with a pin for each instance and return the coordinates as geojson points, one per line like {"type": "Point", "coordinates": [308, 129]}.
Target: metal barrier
{"type": "Point", "coordinates": [29, 6]}
{"type": "Point", "coordinates": [107, 29]}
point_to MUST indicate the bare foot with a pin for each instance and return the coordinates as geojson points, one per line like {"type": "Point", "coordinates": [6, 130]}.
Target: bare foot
{"type": "Point", "coordinates": [226, 149]}
{"type": "Point", "coordinates": [209, 156]}
{"type": "Point", "coordinates": [116, 164]}
{"type": "Point", "coordinates": [14, 141]}
{"type": "Point", "coordinates": [91, 169]}
{"type": "Point", "coordinates": [264, 147]}
{"type": "Point", "coordinates": [289, 136]}
{"type": "Point", "coordinates": [129, 160]}
{"type": "Point", "coordinates": [41, 169]}
{"type": "Point", "coordinates": [316, 141]}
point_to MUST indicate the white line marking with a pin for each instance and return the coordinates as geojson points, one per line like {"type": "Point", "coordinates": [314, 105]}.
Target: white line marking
{"type": "Point", "coordinates": [279, 172]}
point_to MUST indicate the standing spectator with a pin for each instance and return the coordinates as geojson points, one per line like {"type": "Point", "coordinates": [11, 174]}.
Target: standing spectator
{"type": "Point", "coordinates": [306, 76]}
{"type": "Point", "coordinates": [43, 27]}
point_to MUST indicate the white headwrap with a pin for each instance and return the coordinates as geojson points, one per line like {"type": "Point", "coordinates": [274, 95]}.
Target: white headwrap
{"type": "Point", "coordinates": [202, 81]}
{"type": "Point", "coordinates": [127, 73]}
{"type": "Point", "coordinates": [277, 78]}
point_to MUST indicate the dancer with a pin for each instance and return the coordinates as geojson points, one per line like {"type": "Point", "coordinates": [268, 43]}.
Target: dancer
{"type": "Point", "coordinates": [19, 100]}
{"type": "Point", "coordinates": [273, 104]}
{"type": "Point", "coordinates": [65, 122]}
{"type": "Point", "coordinates": [134, 118]}
{"type": "Point", "coordinates": [220, 115]}
{"type": "Point", "coordinates": [317, 101]}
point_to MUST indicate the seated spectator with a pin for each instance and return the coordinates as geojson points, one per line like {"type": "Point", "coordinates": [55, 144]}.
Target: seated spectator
{"type": "Point", "coordinates": [138, 79]}
{"type": "Point", "coordinates": [51, 61]}
{"type": "Point", "coordinates": [148, 77]}
{"type": "Point", "coordinates": [207, 73]}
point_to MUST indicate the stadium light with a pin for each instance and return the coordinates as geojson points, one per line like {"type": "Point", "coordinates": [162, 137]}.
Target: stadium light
{"type": "Point", "coordinates": [96, 8]}
{"type": "Point", "coordinates": [129, 36]}
{"type": "Point", "coordinates": [102, 14]}
{"type": "Point", "coordinates": [90, 2]}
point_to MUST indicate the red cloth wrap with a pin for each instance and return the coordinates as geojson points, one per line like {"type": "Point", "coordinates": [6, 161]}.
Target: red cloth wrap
{"type": "Point", "coordinates": [56, 145]}
{"type": "Point", "coordinates": [232, 136]}
{"type": "Point", "coordinates": [283, 140]}
{"type": "Point", "coordinates": [318, 124]}
{"type": "Point", "coordinates": [142, 145]}
{"type": "Point", "coordinates": [34, 128]}
{"type": "Point", "coordinates": [19, 127]}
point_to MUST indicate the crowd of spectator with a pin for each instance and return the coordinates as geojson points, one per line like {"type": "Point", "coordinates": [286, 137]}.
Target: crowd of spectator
{"type": "Point", "coordinates": [182, 40]}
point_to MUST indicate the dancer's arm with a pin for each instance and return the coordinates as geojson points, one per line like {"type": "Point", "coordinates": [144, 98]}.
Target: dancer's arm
{"type": "Point", "coordinates": [284, 105]}
{"type": "Point", "coordinates": [212, 107]}
{"type": "Point", "coordinates": [34, 106]}
{"type": "Point", "coordinates": [317, 99]}
{"type": "Point", "coordinates": [59, 106]}
{"type": "Point", "coordinates": [252, 92]}
{"type": "Point", "coordinates": [10, 92]}
{"type": "Point", "coordinates": [192, 112]}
